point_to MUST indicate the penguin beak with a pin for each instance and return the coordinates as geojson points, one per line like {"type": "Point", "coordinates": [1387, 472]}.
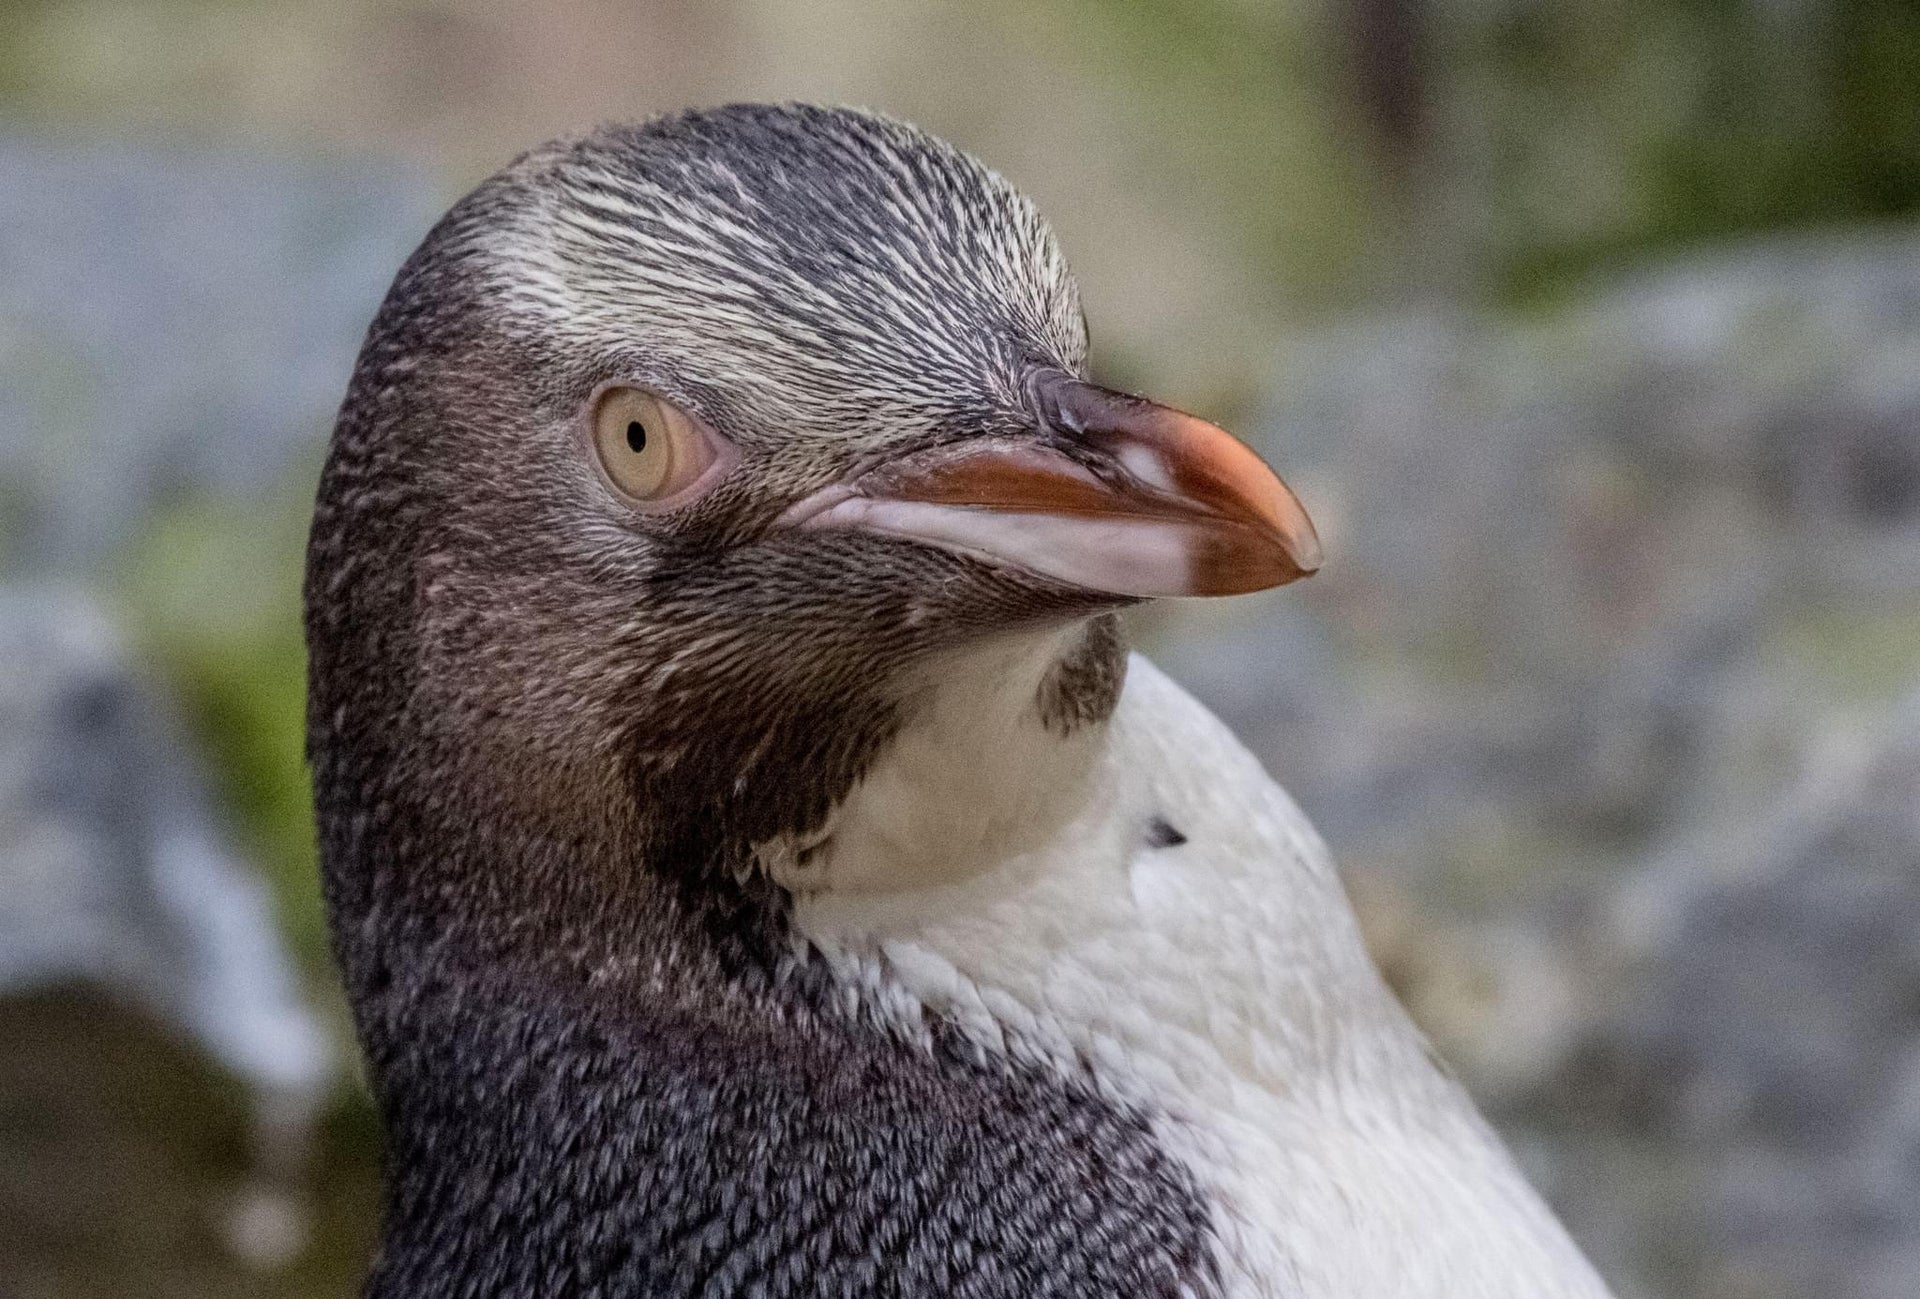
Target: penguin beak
{"type": "Point", "coordinates": [1123, 497]}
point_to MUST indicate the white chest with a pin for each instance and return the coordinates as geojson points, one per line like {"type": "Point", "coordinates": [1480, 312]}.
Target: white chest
{"type": "Point", "coordinates": [1219, 983]}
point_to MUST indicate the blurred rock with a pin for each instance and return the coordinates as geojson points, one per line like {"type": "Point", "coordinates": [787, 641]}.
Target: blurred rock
{"type": "Point", "coordinates": [173, 322]}
{"type": "Point", "coordinates": [113, 870]}
{"type": "Point", "coordinates": [1769, 1025]}
{"type": "Point", "coordinates": [176, 327]}
{"type": "Point", "coordinates": [1554, 545]}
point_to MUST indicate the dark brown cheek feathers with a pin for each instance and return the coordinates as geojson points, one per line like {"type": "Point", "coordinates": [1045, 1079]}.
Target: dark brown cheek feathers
{"type": "Point", "coordinates": [803, 689]}
{"type": "Point", "coordinates": [716, 698]}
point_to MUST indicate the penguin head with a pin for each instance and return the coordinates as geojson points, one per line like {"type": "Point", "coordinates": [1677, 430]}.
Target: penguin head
{"type": "Point", "coordinates": [679, 452]}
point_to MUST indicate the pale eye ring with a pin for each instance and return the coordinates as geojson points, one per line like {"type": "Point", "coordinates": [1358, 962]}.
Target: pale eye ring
{"type": "Point", "coordinates": [651, 452]}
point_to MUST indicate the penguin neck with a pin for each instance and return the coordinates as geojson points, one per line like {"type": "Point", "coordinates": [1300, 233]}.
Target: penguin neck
{"type": "Point", "coordinates": [996, 752]}
{"type": "Point", "coordinates": [428, 861]}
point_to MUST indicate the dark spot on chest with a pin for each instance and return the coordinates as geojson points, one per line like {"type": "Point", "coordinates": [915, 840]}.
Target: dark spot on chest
{"type": "Point", "coordinates": [1161, 833]}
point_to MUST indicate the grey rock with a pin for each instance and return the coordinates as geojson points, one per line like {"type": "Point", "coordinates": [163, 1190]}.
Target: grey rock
{"type": "Point", "coordinates": [115, 872]}
{"type": "Point", "coordinates": [176, 325]}
{"type": "Point", "coordinates": [1769, 1026]}
{"type": "Point", "coordinates": [175, 321]}
{"type": "Point", "coordinates": [1558, 549]}
{"type": "Point", "coordinates": [113, 869]}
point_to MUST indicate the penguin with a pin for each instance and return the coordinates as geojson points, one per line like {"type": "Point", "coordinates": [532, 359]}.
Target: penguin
{"type": "Point", "coordinates": [756, 864]}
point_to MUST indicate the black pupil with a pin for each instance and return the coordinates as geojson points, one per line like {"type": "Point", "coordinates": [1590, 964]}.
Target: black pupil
{"type": "Point", "coordinates": [636, 435]}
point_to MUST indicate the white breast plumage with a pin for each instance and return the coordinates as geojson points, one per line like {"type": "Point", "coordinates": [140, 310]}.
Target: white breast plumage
{"type": "Point", "coordinates": [1211, 975]}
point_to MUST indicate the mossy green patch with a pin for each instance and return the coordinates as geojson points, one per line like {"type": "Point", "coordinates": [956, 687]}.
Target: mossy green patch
{"type": "Point", "coordinates": [211, 593]}
{"type": "Point", "coordinates": [1862, 656]}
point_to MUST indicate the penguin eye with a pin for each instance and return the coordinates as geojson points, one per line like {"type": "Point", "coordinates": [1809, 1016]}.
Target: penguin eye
{"type": "Point", "coordinates": [651, 451]}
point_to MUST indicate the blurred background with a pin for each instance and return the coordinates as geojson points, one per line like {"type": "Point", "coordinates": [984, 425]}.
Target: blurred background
{"type": "Point", "coordinates": [1589, 330]}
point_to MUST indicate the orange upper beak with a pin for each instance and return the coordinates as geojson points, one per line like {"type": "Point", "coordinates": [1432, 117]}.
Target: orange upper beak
{"type": "Point", "coordinates": [1151, 502]}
